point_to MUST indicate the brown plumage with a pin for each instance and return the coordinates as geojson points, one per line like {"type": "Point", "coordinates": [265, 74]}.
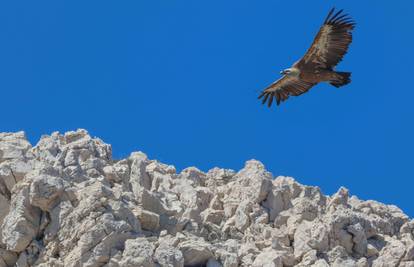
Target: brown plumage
{"type": "Point", "coordinates": [317, 65]}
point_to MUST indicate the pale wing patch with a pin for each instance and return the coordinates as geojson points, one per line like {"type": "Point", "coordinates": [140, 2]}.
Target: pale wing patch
{"type": "Point", "coordinates": [330, 44]}
{"type": "Point", "coordinates": [322, 47]}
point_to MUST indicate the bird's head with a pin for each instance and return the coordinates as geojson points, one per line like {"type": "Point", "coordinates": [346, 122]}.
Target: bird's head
{"type": "Point", "coordinates": [290, 71]}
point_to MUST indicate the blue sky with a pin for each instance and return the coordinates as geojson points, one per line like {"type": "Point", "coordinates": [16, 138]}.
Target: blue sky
{"type": "Point", "coordinates": [179, 80]}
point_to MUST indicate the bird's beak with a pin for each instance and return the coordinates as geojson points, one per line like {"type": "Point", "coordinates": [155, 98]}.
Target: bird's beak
{"type": "Point", "coordinates": [282, 72]}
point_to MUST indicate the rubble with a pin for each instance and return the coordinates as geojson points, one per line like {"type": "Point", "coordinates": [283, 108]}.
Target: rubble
{"type": "Point", "coordinates": [67, 202]}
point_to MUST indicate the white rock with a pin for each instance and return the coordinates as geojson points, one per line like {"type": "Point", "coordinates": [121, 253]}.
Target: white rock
{"type": "Point", "coordinates": [194, 176]}
{"type": "Point", "coordinates": [149, 220]}
{"type": "Point", "coordinates": [150, 201]}
{"type": "Point", "coordinates": [320, 263]}
{"type": "Point", "coordinates": [362, 262]}
{"type": "Point", "coordinates": [409, 244]}
{"type": "Point", "coordinates": [309, 236]}
{"type": "Point", "coordinates": [13, 146]}
{"type": "Point", "coordinates": [65, 202]}
{"type": "Point", "coordinates": [309, 258]}
{"type": "Point", "coordinates": [21, 224]}
{"type": "Point", "coordinates": [371, 251]}
{"type": "Point", "coordinates": [269, 258]}
{"type": "Point", "coordinates": [242, 219]}
{"type": "Point", "coordinates": [139, 176]}
{"type": "Point", "coordinates": [252, 183]}
{"type": "Point", "coordinates": [4, 207]}
{"type": "Point", "coordinates": [359, 238]}
{"type": "Point", "coordinates": [217, 177]}
{"type": "Point", "coordinates": [285, 189]}
{"type": "Point", "coordinates": [340, 197]}
{"type": "Point", "coordinates": [138, 252]}
{"type": "Point", "coordinates": [229, 260]}
{"type": "Point", "coordinates": [168, 256]}
{"type": "Point", "coordinates": [195, 252]}
{"type": "Point", "coordinates": [45, 190]}
{"type": "Point", "coordinates": [391, 254]}
{"type": "Point", "coordinates": [216, 203]}
{"type": "Point", "coordinates": [196, 201]}
{"type": "Point", "coordinates": [213, 216]}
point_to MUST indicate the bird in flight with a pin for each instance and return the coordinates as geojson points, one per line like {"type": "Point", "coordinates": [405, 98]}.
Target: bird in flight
{"type": "Point", "coordinates": [318, 64]}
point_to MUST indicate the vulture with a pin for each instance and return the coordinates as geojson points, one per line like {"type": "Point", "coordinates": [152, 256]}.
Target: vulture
{"type": "Point", "coordinates": [318, 64]}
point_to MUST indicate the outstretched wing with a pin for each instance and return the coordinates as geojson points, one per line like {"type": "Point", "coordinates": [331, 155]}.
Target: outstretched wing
{"type": "Point", "coordinates": [283, 88]}
{"type": "Point", "coordinates": [331, 43]}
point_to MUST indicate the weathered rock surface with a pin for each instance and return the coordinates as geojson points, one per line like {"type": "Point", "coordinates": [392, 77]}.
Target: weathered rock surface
{"type": "Point", "coordinates": [66, 202]}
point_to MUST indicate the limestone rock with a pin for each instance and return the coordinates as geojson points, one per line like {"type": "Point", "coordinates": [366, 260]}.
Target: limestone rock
{"type": "Point", "coordinates": [320, 263]}
{"type": "Point", "coordinates": [139, 176]}
{"type": "Point", "coordinates": [7, 258]}
{"type": "Point", "coordinates": [21, 224]}
{"type": "Point", "coordinates": [13, 146]}
{"type": "Point", "coordinates": [168, 256]}
{"type": "Point", "coordinates": [45, 191]}
{"type": "Point", "coordinates": [391, 254]}
{"type": "Point", "coordinates": [268, 258]}
{"type": "Point", "coordinates": [195, 252]}
{"type": "Point", "coordinates": [149, 220]}
{"type": "Point", "coordinates": [66, 202]}
{"type": "Point", "coordinates": [371, 251]}
{"type": "Point", "coordinates": [213, 216]}
{"type": "Point", "coordinates": [252, 183]}
{"type": "Point", "coordinates": [138, 252]}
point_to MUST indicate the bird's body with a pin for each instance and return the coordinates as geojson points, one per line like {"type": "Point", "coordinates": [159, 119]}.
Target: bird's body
{"type": "Point", "coordinates": [311, 76]}
{"type": "Point", "coordinates": [320, 76]}
{"type": "Point", "coordinates": [318, 65]}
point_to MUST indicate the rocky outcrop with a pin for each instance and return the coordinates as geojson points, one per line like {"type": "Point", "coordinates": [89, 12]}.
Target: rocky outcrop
{"type": "Point", "coordinates": [66, 202]}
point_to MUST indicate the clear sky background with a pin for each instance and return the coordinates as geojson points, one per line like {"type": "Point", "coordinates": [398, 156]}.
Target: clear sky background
{"type": "Point", "coordinates": [179, 80]}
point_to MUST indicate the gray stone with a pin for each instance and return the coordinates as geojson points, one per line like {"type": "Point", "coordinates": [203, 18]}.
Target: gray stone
{"type": "Point", "coordinates": [213, 216]}
{"type": "Point", "coordinates": [21, 224]}
{"type": "Point", "coordinates": [138, 252]}
{"type": "Point", "coordinates": [66, 202]}
{"type": "Point", "coordinates": [149, 220]}
{"type": "Point", "coordinates": [269, 258]}
{"type": "Point", "coordinates": [391, 254]}
{"type": "Point", "coordinates": [213, 263]}
{"type": "Point", "coordinates": [168, 256]}
{"type": "Point", "coordinates": [7, 258]}
{"type": "Point", "coordinates": [195, 252]}
{"type": "Point", "coordinates": [45, 191]}
{"type": "Point", "coordinates": [13, 146]}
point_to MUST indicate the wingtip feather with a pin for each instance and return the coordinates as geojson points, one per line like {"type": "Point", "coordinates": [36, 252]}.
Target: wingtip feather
{"type": "Point", "coordinates": [335, 16]}
{"type": "Point", "coordinates": [269, 104]}
{"type": "Point", "coordinates": [278, 98]}
{"type": "Point", "coordinates": [329, 15]}
{"type": "Point", "coordinates": [265, 99]}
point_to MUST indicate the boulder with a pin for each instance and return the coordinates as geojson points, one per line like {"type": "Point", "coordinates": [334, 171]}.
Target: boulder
{"type": "Point", "coordinates": [137, 252]}
{"type": "Point", "coordinates": [168, 256]}
{"type": "Point", "coordinates": [195, 252]}
{"type": "Point", "coordinates": [21, 224]}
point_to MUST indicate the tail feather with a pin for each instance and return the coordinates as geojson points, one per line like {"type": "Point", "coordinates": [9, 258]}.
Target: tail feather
{"type": "Point", "coordinates": [341, 79]}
